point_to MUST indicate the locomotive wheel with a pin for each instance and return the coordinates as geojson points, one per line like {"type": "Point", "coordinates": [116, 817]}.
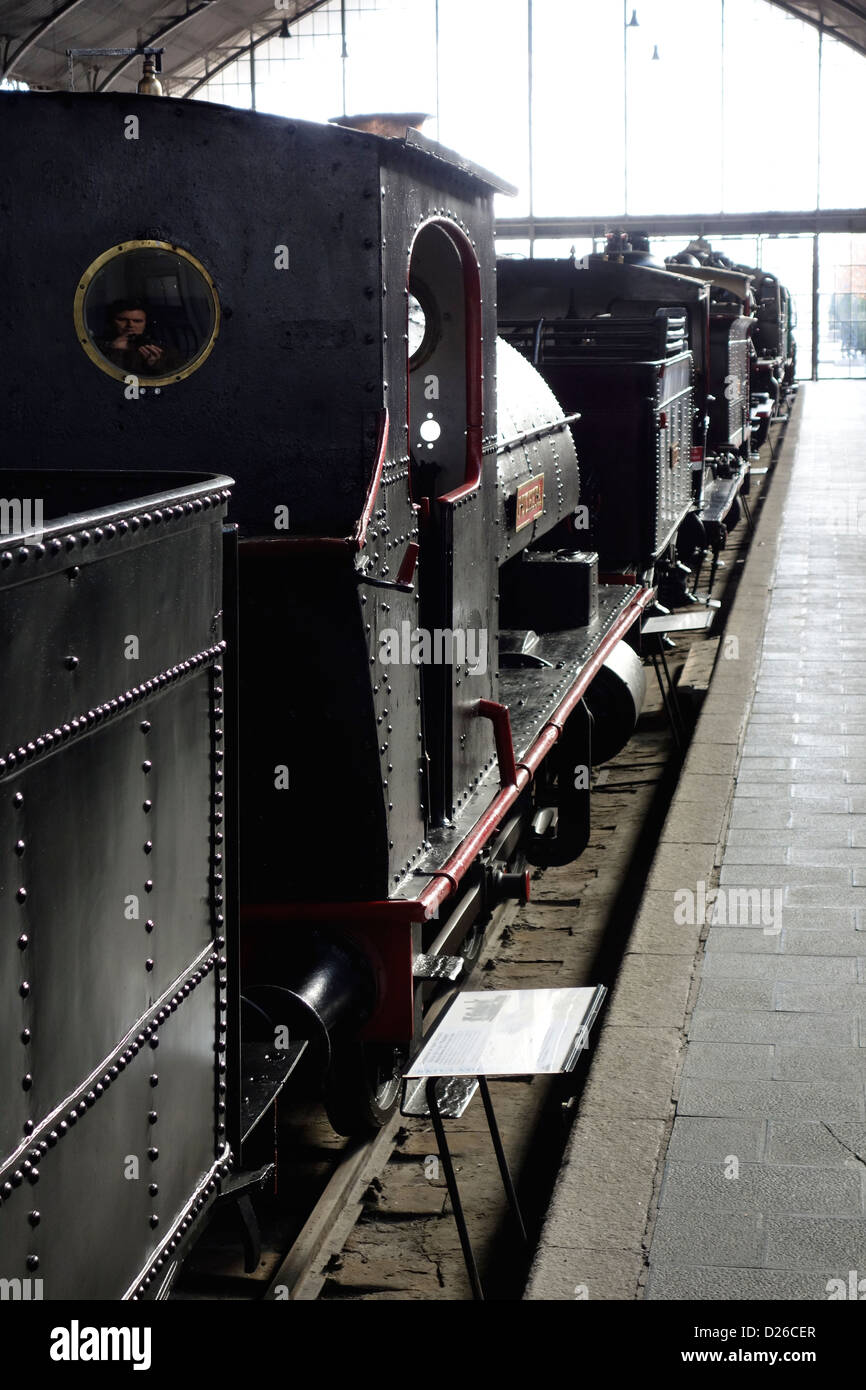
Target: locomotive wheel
{"type": "Point", "coordinates": [362, 1086]}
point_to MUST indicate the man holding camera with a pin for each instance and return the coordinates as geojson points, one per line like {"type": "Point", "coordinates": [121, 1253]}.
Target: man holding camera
{"type": "Point", "coordinates": [131, 346]}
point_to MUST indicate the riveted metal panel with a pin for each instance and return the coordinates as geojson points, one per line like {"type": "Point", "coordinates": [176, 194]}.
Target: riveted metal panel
{"type": "Point", "coordinates": [112, 1174]}
{"type": "Point", "coordinates": [729, 381]}
{"type": "Point", "coordinates": [185, 1100]}
{"type": "Point", "coordinates": [110, 886]}
{"type": "Point", "coordinates": [674, 470]}
{"type": "Point", "coordinates": [106, 622]}
{"type": "Point", "coordinates": [91, 1196]}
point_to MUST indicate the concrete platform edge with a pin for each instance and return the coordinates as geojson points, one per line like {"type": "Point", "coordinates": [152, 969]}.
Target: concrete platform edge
{"type": "Point", "coordinates": [596, 1234]}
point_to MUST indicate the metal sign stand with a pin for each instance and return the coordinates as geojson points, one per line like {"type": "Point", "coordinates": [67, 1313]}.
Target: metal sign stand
{"type": "Point", "coordinates": [488, 1033]}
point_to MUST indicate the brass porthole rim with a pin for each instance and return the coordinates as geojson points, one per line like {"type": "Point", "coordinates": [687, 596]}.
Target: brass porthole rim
{"type": "Point", "coordinates": [82, 332]}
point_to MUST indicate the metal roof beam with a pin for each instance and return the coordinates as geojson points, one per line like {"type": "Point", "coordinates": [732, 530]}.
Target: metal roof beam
{"type": "Point", "coordinates": [687, 224]}
{"type": "Point", "coordinates": [246, 48]}
{"type": "Point", "coordinates": [37, 34]}
{"type": "Point", "coordinates": [821, 23]}
{"type": "Point", "coordinates": [227, 62]}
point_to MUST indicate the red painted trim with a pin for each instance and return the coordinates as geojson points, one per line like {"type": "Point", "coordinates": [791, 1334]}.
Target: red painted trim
{"type": "Point", "coordinates": [404, 911]}
{"type": "Point", "coordinates": [474, 354]}
{"type": "Point", "coordinates": [276, 549]}
{"type": "Point", "coordinates": [406, 572]}
{"type": "Point", "coordinates": [360, 534]}
{"type": "Point", "coordinates": [460, 493]}
{"type": "Point", "coordinates": [435, 894]}
{"type": "Point", "coordinates": [501, 720]}
{"type": "Point", "coordinates": [617, 578]}
{"type": "Point", "coordinates": [474, 363]}
{"type": "Point", "coordinates": [389, 910]}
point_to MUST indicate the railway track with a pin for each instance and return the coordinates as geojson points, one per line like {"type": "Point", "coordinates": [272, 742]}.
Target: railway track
{"type": "Point", "coordinates": [369, 1219]}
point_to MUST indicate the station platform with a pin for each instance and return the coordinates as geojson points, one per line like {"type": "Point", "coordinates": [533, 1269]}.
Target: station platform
{"type": "Point", "coordinates": [719, 1151]}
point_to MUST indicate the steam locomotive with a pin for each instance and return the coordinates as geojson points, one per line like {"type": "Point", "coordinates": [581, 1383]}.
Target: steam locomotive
{"type": "Point", "coordinates": [676, 369]}
{"type": "Point", "coordinates": [377, 688]}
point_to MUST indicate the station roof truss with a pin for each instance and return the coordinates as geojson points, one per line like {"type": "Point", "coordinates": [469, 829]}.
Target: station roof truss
{"type": "Point", "coordinates": [844, 20]}
{"type": "Point", "coordinates": [198, 39]}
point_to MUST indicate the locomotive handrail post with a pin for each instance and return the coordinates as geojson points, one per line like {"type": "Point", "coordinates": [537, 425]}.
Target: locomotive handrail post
{"type": "Point", "coordinates": [501, 721]}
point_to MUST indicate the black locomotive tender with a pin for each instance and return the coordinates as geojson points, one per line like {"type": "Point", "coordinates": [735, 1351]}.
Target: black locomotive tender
{"type": "Point", "coordinates": [263, 783]}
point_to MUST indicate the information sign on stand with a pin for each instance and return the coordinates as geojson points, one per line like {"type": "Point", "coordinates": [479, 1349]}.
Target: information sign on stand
{"type": "Point", "coordinates": [489, 1033]}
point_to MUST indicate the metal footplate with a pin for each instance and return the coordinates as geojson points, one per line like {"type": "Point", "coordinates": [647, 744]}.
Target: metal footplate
{"type": "Point", "coordinates": [437, 967]}
{"type": "Point", "coordinates": [720, 496]}
{"type": "Point", "coordinates": [453, 1095]}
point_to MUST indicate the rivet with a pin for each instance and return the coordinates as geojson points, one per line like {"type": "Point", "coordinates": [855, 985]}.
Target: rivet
{"type": "Point", "coordinates": [154, 1220]}
{"type": "Point", "coordinates": [32, 1261]}
{"type": "Point", "coordinates": [153, 1189]}
{"type": "Point", "coordinates": [154, 1080]}
{"type": "Point", "coordinates": [148, 887]}
{"type": "Point", "coordinates": [26, 1035]}
{"type": "Point", "coordinates": [22, 941]}
{"type": "Point", "coordinates": [147, 806]}
{"type": "Point", "coordinates": [71, 663]}
{"type": "Point", "coordinates": [146, 765]}
{"type": "Point", "coordinates": [145, 726]}
{"type": "Point", "coordinates": [148, 964]}
{"type": "Point", "coordinates": [149, 924]}
{"type": "Point", "coordinates": [34, 1218]}
{"type": "Point", "coordinates": [153, 1155]}
{"type": "Point", "coordinates": [21, 895]}
{"type": "Point", "coordinates": [24, 989]}
{"type": "Point", "coordinates": [148, 846]}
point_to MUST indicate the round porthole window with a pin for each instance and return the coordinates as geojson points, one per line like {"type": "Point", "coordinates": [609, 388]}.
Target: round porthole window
{"type": "Point", "coordinates": [147, 309]}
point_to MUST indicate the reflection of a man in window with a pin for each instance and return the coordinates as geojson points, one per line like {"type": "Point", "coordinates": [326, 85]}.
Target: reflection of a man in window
{"type": "Point", "coordinates": [128, 343]}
